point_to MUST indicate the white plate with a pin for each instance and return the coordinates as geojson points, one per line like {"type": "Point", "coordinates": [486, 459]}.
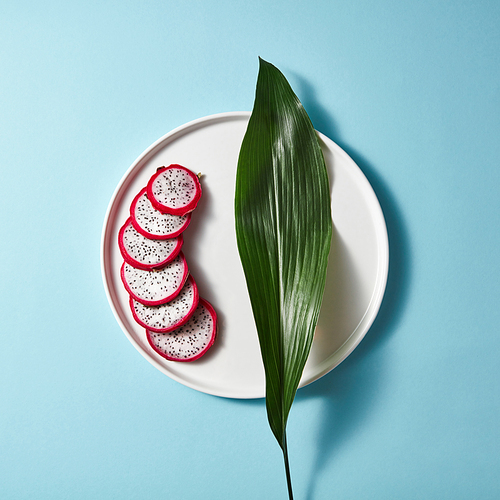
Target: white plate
{"type": "Point", "coordinates": [357, 271]}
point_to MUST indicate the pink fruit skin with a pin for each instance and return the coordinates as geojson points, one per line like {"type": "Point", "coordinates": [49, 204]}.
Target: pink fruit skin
{"type": "Point", "coordinates": [161, 301]}
{"type": "Point", "coordinates": [140, 265]}
{"type": "Point", "coordinates": [183, 320]}
{"type": "Point", "coordinates": [169, 210]}
{"type": "Point", "coordinates": [201, 353]}
{"type": "Point", "coordinates": [150, 235]}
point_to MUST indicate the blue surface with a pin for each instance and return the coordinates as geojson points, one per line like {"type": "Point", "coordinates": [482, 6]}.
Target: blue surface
{"type": "Point", "coordinates": [409, 89]}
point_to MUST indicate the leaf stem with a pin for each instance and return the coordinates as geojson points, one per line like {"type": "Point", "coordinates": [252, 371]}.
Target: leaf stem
{"type": "Point", "coordinates": [287, 468]}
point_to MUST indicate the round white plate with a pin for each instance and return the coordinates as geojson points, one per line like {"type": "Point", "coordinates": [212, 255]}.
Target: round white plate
{"type": "Point", "coordinates": [357, 269]}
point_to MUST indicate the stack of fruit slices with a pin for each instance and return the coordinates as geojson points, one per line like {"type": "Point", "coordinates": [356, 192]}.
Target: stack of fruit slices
{"type": "Point", "coordinates": [164, 299]}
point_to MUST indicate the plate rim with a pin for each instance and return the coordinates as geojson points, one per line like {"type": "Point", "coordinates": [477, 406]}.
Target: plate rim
{"type": "Point", "coordinates": [380, 282]}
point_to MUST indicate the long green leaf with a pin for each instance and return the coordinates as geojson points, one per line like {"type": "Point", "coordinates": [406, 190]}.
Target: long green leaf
{"type": "Point", "coordinates": [283, 230]}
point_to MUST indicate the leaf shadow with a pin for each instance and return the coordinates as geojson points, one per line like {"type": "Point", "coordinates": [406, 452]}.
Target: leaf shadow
{"type": "Point", "coordinates": [349, 393]}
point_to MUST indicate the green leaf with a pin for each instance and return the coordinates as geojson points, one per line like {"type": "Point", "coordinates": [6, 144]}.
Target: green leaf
{"type": "Point", "coordinates": [283, 230]}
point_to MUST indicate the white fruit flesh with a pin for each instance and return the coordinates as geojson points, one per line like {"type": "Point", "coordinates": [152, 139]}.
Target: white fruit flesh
{"type": "Point", "coordinates": [155, 287]}
{"type": "Point", "coordinates": [153, 222]}
{"type": "Point", "coordinates": [146, 253]}
{"type": "Point", "coordinates": [167, 317]}
{"type": "Point", "coordinates": [191, 340]}
{"type": "Point", "coordinates": [175, 188]}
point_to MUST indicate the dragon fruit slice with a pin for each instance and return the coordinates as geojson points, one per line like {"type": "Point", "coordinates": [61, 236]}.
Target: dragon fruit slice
{"type": "Point", "coordinates": [189, 341]}
{"type": "Point", "coordinates": [158, 286]}
{"type": "Point", "coordinates": [174, 190]}
{"type": "Point", "coordinates": [152, 223]}
{"type": "Point", "coordinates": [145, 253]}
{"type": "Point", "coordinates": [169, 316]}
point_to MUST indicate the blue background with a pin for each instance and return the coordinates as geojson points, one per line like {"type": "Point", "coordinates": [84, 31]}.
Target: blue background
{"type": "Point", "coordinates": [409, 89]}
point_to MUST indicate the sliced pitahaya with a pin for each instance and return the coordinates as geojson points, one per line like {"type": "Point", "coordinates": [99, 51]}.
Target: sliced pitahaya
{"type": "Point", "coordinates": [174, 190]}
{"type": "Point", "coordinates": [146, 253]}
{"type": "Point", "coordinates": [169, 316]}
{"type": "Point", "coordinates": [189, 341]}
{"type": "Point", "coordinates": [158, 286]}
{"type": "Point", "coordinates": [154, 224]}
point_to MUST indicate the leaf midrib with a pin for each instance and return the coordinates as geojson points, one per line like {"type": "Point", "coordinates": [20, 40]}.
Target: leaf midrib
{"type": "Point", "coordinates": [278, 231]}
